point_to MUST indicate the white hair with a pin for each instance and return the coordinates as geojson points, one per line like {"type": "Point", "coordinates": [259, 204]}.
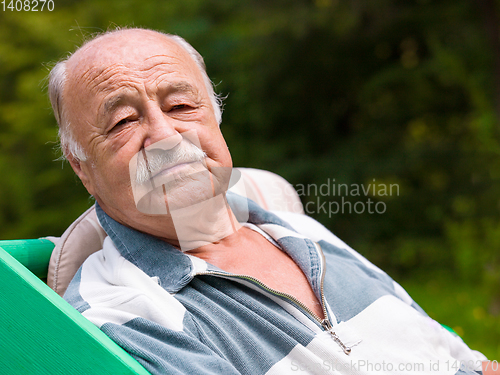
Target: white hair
{"type": "Point", "coordinates": [57, 82]}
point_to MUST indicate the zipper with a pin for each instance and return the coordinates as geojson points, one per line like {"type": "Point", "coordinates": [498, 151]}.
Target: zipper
{"type": "Point", "coordinates": [328, 327]}
{"type": "Point", "coordinates": [324, 323]}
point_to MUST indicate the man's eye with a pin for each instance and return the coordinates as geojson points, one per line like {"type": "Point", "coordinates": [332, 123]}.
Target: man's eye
{"type": "Point", "coordinates": [179, 106]}
{"type": "Point", "coordinates": [125, 121]}
{"type": "Point", "coordinates": [122, 122]}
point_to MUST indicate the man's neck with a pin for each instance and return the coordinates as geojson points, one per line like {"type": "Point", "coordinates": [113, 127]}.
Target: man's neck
{"type": "Point", "coordinates": [204, 223]}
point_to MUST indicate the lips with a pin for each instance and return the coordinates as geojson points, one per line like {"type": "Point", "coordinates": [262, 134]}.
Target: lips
{"type": "Point", "coordinates": [173, 169]}
{"type": "Point", "coordinates": [172, 188]}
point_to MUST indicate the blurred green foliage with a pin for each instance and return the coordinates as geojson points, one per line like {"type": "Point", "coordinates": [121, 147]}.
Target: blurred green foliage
{"type": "Point", "coordinates": [383, 91]}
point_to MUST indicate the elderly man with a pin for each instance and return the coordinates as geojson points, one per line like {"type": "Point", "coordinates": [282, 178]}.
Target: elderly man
{"type": "Point", "coordinates": [192, 279]}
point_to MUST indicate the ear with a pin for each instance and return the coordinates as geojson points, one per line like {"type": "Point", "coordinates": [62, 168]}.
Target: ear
{"type": "Point", "coordinates": [82, 170]}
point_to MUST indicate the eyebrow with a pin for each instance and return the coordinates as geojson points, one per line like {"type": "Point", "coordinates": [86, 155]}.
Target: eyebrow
{"type": "Point", "coordinates": [182, 86]}
{"type": "Point", "coordinates": [113, 102]}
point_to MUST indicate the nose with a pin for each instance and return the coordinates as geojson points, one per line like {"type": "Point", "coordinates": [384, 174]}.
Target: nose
{"type": "Point", "coordinates": [164, 144]}
{"type": "Point", "coordinates": [161, 131]}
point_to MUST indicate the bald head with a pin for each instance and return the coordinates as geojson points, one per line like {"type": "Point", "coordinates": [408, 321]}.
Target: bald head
{"type": "Point", "coordinates": [91, 61]}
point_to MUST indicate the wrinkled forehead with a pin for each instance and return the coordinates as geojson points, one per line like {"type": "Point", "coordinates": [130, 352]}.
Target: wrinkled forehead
{"type": "Point", "coordinates": [131, 50]}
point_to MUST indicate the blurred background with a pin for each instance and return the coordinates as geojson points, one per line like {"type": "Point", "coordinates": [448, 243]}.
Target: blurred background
{"type": "Point", "coordinates": [372, 93]}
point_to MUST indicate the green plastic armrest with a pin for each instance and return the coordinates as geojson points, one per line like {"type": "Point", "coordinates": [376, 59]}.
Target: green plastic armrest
{"type": "Point", "coordinates": [40, 333]}
{"type": "Point", "coordinates": [33, 254]}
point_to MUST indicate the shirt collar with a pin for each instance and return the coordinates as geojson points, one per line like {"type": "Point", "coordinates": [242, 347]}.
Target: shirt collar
{"type": "Point", "coordinates": [175, 269]}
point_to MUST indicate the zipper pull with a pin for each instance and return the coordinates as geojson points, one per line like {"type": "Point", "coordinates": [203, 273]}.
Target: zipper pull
{"type": "Point", "coordinates": [328, 327]}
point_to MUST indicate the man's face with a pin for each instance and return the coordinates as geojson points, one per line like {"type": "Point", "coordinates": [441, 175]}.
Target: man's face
{"type": "Point", "coordinates": [126, 94]}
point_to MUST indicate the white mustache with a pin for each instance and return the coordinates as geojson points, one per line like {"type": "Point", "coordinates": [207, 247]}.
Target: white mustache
{"type": "Point", "coordinates": [155, 161]}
